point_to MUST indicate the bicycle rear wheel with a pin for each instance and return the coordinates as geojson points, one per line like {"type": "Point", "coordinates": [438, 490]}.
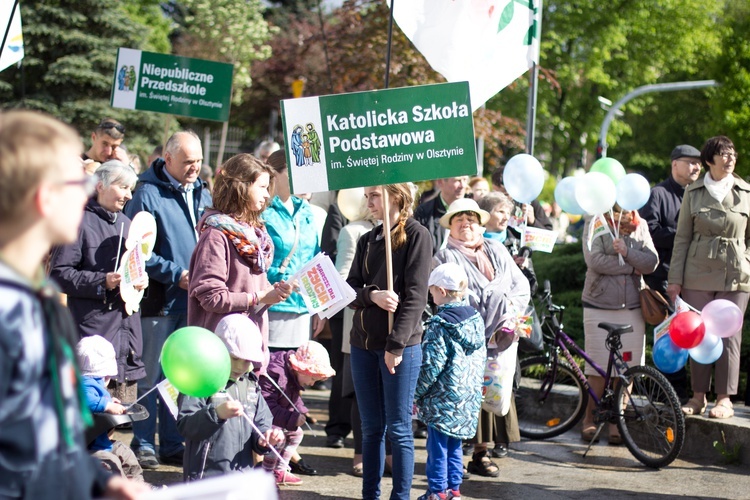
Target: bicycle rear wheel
{"type": "Point", "coordinates": [652, 425]}
{"type": "Point", "coordinates": [550, 398]}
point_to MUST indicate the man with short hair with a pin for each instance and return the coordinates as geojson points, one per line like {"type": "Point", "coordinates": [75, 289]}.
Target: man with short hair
{"type": "Point", "coordinates": [429, 212]}
{"type": "Point", "coordinates": [172, 192]}
{"type": "Point", "coordinates": [105, 140]}
{"type": "Point", "coordinates": [43, 190]}
{"type": "Point", "coordinates": [661, 213]}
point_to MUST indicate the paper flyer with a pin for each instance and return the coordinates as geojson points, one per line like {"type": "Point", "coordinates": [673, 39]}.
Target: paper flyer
{"type": "Point", "coordinates": [322, 288]}
{"type": "Point", "coordinates": [539, 240]}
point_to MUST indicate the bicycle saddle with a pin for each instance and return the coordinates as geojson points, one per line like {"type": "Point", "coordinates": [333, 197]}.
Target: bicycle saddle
{"type": "Point", "coordinates": [103, 422]}
{"type": "Point", "coordinates": [615, 329]}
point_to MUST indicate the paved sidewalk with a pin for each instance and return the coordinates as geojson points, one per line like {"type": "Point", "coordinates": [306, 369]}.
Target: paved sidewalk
{"type": "Point", "coordinates": [548, 469]}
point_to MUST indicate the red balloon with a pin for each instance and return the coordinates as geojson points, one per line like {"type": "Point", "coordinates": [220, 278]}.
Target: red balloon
{"type": "Point", "coordinates": [687, 330]}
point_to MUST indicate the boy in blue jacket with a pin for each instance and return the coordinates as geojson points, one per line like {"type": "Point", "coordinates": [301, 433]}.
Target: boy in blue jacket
{"type": "Point", "coordinates": [449, 388]}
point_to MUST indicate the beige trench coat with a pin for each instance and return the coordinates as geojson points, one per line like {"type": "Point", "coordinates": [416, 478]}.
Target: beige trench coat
{"type": "Point", "coordinates": [712, 244]}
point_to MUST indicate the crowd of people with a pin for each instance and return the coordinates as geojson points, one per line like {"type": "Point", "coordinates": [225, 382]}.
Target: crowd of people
{"type": "Point", "coordinates": [223, 259]}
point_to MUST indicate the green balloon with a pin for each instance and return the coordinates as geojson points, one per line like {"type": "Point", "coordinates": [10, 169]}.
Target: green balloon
{"type": "Point", "coordinates": [196, 362]}
{"type": "Point", "coordinates": [609, 167]}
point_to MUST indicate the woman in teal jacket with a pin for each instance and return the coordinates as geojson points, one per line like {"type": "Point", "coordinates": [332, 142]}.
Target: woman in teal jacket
{"type": "Point", "coordinates": [290, 224]}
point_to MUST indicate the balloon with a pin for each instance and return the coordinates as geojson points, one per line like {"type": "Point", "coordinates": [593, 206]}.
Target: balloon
{"type": "Point", "coordinates": [595, 193]}
{"type": "Point", "coordinates": [609, 167]}
{"type": "Point", "coordinates": [523, 178]}
{"type": "Point", "coordinates": [668, 358]}
{"type": "Point", "coordinates": [633, 192]}
{"type": "Point", "coordinates": [708, 351]}
{"type": "Point", "coordinates": [565, 196]}
{"type": "Point", "coordinates": [687, 330]}
{"type": "Point", "coordinates": [352, 203]}
{"type": "Point", "coordinates": [196, 362]}
{"type": "Point", "coordinates": [722, 318]}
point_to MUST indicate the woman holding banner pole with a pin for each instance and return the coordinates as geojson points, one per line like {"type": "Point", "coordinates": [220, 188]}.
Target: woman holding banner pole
{"type": "Point", "coordinates": [386, 361]}
{"type": "Point", "coordinates": [228, 267]}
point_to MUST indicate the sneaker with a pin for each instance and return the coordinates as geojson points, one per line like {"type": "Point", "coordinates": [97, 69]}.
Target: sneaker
{"type": "Point", "coordinates": [284, 478]}
{"type": "Point", "coordinates": [433, 496]}
{"type": "Point", "coordinates": [147, 459]}
{"type": "Point", "coordinates": [452, 494]}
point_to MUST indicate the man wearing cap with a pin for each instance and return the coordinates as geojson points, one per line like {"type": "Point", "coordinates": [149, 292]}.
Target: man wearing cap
{"type": "Point", "coordinates": [661, 213]}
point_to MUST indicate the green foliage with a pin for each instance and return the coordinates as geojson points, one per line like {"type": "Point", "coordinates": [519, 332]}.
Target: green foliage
{"type": "Point", "coordinates": [228, 31]}
{"type": "Point", "coordinates": [156, 26]}
{"type": "Point", "coordinates": [588, 52]}
{"type": "Point", "coordinates": [68, 69]}
{"type": "Point", "coordinates": [566, 270]}
{"type": "Point", "coordinates": [731, 455]}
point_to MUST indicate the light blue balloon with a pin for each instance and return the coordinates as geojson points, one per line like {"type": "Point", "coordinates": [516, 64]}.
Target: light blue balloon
{"type": "Point", "coordinates": [565, 196]}
{"type": "Point", "coordinates": [709, 350]}
{"type": "Point", "coordinates": [669, 358]}
{"type": "Point", "coordinates": [523, 178]}
{"type": "Point", "coordinates": [633, 192]}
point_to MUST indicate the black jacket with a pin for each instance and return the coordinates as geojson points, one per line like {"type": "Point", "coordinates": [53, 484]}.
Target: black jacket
{"type": "Point", "coordinates": [428, 214]}
{"type": "Point", "coordinates": [411, 270]}
{"type": "Point", "coordinates": [80, 270]}
{"type": "Point", "coordinates": [661, 214]}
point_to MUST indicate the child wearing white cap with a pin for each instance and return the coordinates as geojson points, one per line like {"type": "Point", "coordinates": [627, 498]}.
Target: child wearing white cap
{"type": "Point", "coordinates": [449, 387]}
{"type": "Point", "coordinates": [217, 439]}
{"type": "Point", "coordinates": [289, 372]}
{"type": "Point", "coordinates": [98, 362]}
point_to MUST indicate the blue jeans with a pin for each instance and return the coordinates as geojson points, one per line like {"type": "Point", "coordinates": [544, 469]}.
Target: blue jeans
{"type": "Point", "coordinates": [385, 404]}
{"type": "Point", "coordinates": [445, 466]}
{"type": "Point", "coordinates": [155, 332]}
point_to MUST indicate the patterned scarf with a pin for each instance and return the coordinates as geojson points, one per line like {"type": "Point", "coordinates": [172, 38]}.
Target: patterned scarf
{"type": "Point", "coordinates": [474, 251]}
{"type": "Point", "coordinates": [252, 243]}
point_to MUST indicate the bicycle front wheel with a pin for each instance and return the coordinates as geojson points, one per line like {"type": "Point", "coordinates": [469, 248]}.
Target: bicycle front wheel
{"type": "Point", "coordinates": [651, 424]}
{"type": "Point", "coordinates": [550, 398]}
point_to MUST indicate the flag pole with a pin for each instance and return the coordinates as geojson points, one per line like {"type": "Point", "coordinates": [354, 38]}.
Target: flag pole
{"type": "Point", "coordinates": [534, 78]}
{"type": "Point", "coordinates": [386, 203]}
{"type": "Point", "coordinates": [388, 49]}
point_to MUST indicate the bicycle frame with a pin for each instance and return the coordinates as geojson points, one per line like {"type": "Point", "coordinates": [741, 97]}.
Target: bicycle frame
{"type": "Point", "coordinates": [563, 343]}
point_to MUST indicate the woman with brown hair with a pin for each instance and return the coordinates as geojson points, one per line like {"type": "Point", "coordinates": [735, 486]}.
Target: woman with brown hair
{"type": "Point", "coordinates": [229, 264]}
{"type": "Point", "coordinates": [385, 361]}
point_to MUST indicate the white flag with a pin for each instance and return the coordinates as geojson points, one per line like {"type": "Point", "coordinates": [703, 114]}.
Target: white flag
{"type": "Point", "coordinates": [169, 395]}
{"type": "Point", "coordinates": [488, 43]}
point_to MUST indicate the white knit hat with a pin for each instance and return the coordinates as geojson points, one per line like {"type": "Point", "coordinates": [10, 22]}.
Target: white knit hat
{"type": "Point", "coordinates": [449, 276]}
{"type": "Point", "coordinates": [97, 357]}
{"type": "Point", "coordinates": [242, 337]}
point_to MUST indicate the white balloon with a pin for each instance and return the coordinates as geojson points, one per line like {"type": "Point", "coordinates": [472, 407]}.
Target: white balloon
{"type": "Point", "coordinates": [595, 193]}
{"type": "Point", "coordinates": [523, 178]}
{"type": "Point", "coordinates": [633, 192]}
{"type": "Point", "coordinates": [352, 203]}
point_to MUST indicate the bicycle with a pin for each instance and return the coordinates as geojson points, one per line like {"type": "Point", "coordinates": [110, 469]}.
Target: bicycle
{"type": "Point", "coordinates": [553, 393]}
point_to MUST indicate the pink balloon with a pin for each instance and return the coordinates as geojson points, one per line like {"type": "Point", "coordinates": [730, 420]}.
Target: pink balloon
{"type": "Point", "coordinates": [722, 318]}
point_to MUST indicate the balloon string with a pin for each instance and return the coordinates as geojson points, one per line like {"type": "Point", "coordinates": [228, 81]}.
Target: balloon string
{"type": "Point", "coordinates": [260, 434]}
{"type": "Point", "coordinates": [617, 232]}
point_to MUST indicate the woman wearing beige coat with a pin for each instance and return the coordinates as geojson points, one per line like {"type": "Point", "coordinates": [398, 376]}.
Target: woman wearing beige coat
{"type": "Point", "coordinates": [614, 267]}
{"type": "Point", "coordinates": [710, 261]}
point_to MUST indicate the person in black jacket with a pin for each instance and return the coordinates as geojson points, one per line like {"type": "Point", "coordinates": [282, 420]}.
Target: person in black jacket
{"type": "Point", "coordinates": [386, 361]}
{"type": "Point", "coordinates": [661, 212]}
{"type": "Point", "coordinates": [85, 271]}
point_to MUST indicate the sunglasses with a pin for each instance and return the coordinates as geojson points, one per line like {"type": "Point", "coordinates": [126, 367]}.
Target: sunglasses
{"type": "Point", "coordinates": [88, 184]}
{"type": "Point", "coordinates": [108, 125]}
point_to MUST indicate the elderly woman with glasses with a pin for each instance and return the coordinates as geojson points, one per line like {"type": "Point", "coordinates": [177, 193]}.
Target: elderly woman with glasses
{"type": "Point", "coordinates": [497, 287]}
{"type": "Point", "coordinates": [85, 271]}
{"type": "Point", "coordinates": [710, 261]}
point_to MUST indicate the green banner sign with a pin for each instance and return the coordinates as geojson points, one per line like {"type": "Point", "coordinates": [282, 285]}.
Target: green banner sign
{"type": "Point", "coordinates": [172, 84]}
{"type": "Point", "coordinates": [379, 137]}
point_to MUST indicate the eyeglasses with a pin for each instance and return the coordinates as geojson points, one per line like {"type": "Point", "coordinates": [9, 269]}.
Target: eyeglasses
{"type": "Point", "coordinates": [729, 154]}
{"type": "Point", "coordinates": [87, 183]}
{"type": "Point", "coordinates": [108, 125]}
